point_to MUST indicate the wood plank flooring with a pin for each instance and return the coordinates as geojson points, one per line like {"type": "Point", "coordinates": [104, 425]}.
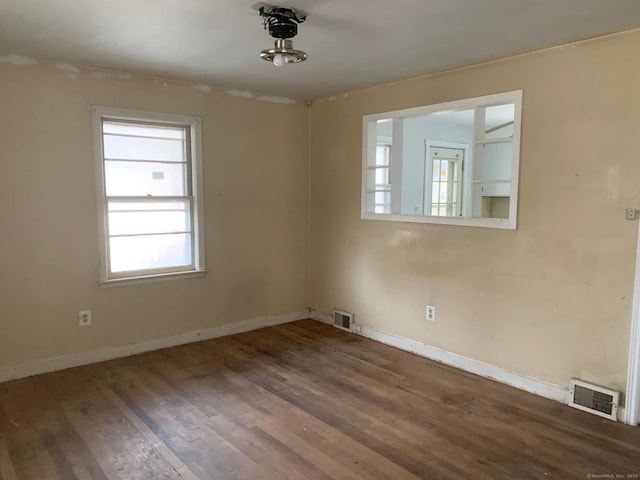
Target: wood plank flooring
{"type": "Point", "coordinates": [297, 401]}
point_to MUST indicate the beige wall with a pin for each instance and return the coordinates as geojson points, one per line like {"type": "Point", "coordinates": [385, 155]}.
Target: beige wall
{"type": "Point", "coordinates": [551, 300]}
{"type": "Point", "coordinates": [256, 209]}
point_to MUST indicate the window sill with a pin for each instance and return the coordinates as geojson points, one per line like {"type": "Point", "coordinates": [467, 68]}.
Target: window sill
{"type": "Point", "coordinates": [162, 277]}
{"type": "Point", "coordinates": [500, 223]}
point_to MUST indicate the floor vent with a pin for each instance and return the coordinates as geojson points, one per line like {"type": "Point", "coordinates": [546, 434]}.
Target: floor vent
{"type": "Point", "coordinates": [594, 399]}
{"type": "Point", "coordinates": [343, 320]}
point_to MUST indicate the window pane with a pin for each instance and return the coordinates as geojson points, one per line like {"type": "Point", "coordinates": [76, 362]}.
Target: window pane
{"type": "Point", "coordinates": [149, 252]}
{"type": "Point", "coordinates": [382, 176]}
{"type": "Point", "coordinates": [130, 218]}
{"type": "Point", "coordinates": [436, 170]}
{"type": "Point", "coordinates": [136, 178]}
{"type": "Point", "coordinates": [160, 131]}
{"type": "Point", "coordinates": [499, 121]}
{"type": "Point", "coordinates": [383, 209]}
{"type": "Point", "coordinates": [383, 155]}
{"type": "Point", "coordinates": [383, 197]}
{"type": "Point", "coordinates": [134, 148]}
{"type": "Point", "coordinates": [444, 190]}
{"type": "Point", "coordinates": [435, 192]}
{"type": "Point", "coordinates": [497, 161]}
{"type": "Point", "coordinates": [444, 170]}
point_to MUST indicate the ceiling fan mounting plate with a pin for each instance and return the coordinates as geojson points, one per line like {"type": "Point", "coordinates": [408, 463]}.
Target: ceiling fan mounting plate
{"type": "Point", "coordinates": [281, 22]}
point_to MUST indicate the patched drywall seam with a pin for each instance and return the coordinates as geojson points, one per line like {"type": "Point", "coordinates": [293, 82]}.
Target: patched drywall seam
{"type": "Point", "coordinates": [261, 98]}
{"type": "Point", "coordinates": [283, 100]}
{"type": "Point", "coordinates": [240, 93]}
{"type": "Point", "coordinates": [202, 88]}
{"type": "Point", "coordinates": [18, 60]}
{"type": "Point", "coordinates": [67, 67]}
{"type": "Point", "coordinates": [73, 71]}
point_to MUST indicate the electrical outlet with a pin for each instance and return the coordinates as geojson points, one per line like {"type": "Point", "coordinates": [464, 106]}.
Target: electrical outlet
{"type": "Point", "coordinates": [84, 318]}
{"type": "Point", "coordinates": [431, 313]}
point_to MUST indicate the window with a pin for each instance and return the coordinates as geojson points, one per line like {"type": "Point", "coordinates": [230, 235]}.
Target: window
{"type": "Point", "coordinates": [383, 178]}
{"type": "Point", "coordinates": [453, 163]}
{"type": "Point", "coordinates": [445, 179]}
{"type": "Point", "coordinates": [148, 171]}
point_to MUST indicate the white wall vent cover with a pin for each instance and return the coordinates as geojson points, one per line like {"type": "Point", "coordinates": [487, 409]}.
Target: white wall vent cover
{"type": "Point", "coordinates": [594, 399]}
{"type": "Point", "coordinates": [343, 320]}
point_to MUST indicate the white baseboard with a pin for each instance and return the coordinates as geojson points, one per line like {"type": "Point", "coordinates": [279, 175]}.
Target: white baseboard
{"type": "Point", "coordinates": [321, 317]}
{"type": "Point", "coordinates": [108, 353]}
{"type": "Point", "coordinates": [528, 384]}
{"type": "Point", "coordinates": [532, 385]}
{"type": "Point", "coordinates": [538, 387]}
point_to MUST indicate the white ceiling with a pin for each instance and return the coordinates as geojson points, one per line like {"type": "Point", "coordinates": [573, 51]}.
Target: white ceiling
{"type": "Point", "coordinates": [351, 43]}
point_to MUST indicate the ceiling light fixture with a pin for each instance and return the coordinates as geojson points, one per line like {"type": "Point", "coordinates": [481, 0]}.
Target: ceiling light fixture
{"type": "Point", "coordinates": [282, 24]}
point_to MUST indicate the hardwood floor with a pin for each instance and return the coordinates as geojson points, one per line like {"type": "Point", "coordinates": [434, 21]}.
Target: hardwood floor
{"type": "Point", "coordinates": [297, 401]}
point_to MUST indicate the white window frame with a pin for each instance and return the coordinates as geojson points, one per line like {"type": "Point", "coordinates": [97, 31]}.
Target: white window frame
{"type": "Point", "coordinates": [467, 219]}
{"type": "Point", "coordinates": [193, 124]}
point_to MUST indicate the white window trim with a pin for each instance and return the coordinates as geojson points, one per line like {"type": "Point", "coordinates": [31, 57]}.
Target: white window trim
{"type": "Point", "coordinates": [98, 114]}
{"type": "Point", "coordinates": [368, 123]}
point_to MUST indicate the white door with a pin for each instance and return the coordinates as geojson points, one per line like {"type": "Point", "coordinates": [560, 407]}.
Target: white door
{"type": "Point", "coordinates": [443, 181]}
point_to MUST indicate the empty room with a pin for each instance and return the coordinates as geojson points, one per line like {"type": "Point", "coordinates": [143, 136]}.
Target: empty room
{"type": "Point", "coordinates": [338, 239]}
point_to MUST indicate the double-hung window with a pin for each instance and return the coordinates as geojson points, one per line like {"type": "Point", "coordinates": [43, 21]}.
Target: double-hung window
{"type": "Point", "coordinates": [149, 186]}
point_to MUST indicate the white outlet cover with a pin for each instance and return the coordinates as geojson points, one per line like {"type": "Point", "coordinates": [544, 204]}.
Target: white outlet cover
{"type": "Point", "coordinates": [430, 313]}
{"type": "Point", "coordinates": [84, 318]}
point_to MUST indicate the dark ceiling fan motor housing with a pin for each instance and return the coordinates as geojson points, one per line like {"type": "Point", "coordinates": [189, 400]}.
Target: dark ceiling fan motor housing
{"type": "Point", "coordinates": [281, 22]}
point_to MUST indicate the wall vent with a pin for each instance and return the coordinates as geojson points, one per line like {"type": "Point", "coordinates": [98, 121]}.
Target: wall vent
{"type": "Point", "coordinates": [594, 399]}
{"type": "Point", "coordinates": [343, 320]}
